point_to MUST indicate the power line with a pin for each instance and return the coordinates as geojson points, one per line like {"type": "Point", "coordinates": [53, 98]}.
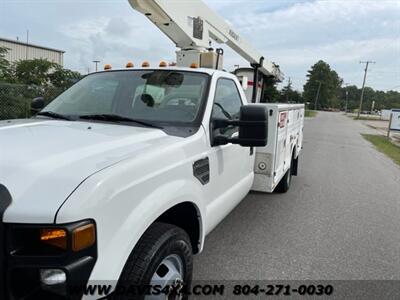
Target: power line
{"type": "Point", "coordinates": [363, 86]}
{"type": "Point", "coordinates": [394, 87]}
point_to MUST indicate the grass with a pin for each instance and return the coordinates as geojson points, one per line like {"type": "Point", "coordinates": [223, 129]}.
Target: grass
{"type": "Point", "coordinates": [364, 118]}
{"type": "Point", "coordinates": [382, 144]}
{"type": "Point", "coordinates": [310, 113]}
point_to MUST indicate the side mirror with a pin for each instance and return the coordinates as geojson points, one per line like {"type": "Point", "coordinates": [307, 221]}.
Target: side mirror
{"type": "Point", "coordinates": [253, 127]}
{"type": "Point", "coordinates": [37, 105]}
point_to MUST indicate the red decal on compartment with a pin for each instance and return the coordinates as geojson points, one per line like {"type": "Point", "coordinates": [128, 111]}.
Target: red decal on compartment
{"type": "Point", "coordinates": [282, 119]}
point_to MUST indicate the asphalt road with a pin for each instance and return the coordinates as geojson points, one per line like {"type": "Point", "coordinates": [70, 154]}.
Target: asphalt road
{"type": "Point", "coordinates": [340, 219]}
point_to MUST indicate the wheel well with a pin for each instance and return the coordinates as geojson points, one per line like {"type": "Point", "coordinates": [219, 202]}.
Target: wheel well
{"type": "Point", "coordinates": [295, 162]}
{"type": "Point", "coordinates": [184, 215]}
{"type": "Point", "coordinates": [294, 151]}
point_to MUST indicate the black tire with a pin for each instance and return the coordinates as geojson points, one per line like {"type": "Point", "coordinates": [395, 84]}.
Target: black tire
{"type": "Point", "coordinates": [158, 242]}
{"type": "Point", "coordinates": [284, 184]}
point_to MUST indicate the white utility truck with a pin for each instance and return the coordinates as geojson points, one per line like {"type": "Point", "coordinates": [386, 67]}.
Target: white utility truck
{"type": "Point", "coordinates": [121, 177]}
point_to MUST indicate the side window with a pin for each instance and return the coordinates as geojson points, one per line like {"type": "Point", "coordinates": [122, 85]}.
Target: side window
{"type": "Point", "coordinates": [227, 105]}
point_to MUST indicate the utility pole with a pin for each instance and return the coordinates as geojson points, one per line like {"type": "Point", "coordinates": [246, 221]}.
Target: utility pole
{"type": "Point", "coordinates": [289, 87]}
{"type": "Point", "coordinates": [317, 96]}
{"type": "Point", "coordinates": [96, 63]}
{"type": "Point", "coordinates": [347, 98]}
{"type": "Point", "coordinates": [27, 44]}
{"type": "Point", "coordinates": [363, 86]}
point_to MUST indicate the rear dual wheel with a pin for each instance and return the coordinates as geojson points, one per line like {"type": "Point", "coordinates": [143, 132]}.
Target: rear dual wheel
{"type": "Point", "coordinates": [284, 184]}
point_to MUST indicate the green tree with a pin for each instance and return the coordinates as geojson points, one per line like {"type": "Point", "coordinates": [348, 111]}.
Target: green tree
{"type": "Point", "coordinates": [271, 93]}
{"type": "Point", "coordinates": [383, 100]}
{"type": "Point", "coordinates": [24, 80]}
{"type": "Point", "coordinates": [34, 71]}
{"type": "Point", "coordinates": [41, 72]}
{"type": "Point", "coordinates": [3, 62]}
{"type": "Point", "coordinates": [297, 97]}
{"type": "Point", "coordinates": [353, 97]}
{"type": "Point", "coordinates": [329, 94]}
{"type": "Point", "coordinates": [286, 93]}
{"type": "Point", "coordinates": [63, 78]}
{"type": "Point", "coordinates": [4, 65]}
{"type": "Point", "coordinates": [391, 99]}
{"type": "Point", "coordinates": [289, 95]}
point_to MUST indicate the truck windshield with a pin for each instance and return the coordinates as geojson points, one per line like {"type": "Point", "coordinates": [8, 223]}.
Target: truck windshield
{"type": "Point", "coordinates": [152, 96]}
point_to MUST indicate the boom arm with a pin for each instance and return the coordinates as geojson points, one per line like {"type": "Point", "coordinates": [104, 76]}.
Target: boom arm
{"type": "Point", "coordinates": [192, 25]}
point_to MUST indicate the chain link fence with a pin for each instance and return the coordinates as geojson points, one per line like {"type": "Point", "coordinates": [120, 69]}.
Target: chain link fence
{"type": "Point", "coordinates": [15, 99]}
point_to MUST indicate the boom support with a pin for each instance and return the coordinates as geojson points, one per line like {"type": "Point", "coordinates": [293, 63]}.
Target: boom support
{"type": "Point", "coordinates": [192, 25]}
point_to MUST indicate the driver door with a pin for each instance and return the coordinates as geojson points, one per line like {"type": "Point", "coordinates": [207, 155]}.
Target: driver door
{"type": "Point", "coordinates": [231, 166]}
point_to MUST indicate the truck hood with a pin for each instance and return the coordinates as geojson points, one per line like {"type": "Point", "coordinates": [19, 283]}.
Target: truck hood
{"type": "Point", "coordinates": [43, 161]}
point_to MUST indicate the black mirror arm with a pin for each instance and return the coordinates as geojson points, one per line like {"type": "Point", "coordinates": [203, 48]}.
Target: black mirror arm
{"type": "Point", "coordinates": [221, 123]}
{"type": "Point", "coordinates": [223, 140]}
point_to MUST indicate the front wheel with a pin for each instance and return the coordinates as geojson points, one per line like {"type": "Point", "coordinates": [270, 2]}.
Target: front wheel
{"type": "Point", "coordinates": [163, 260]}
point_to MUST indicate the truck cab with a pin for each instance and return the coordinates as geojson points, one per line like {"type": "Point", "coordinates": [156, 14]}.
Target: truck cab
{"type": "Point", "coordinates": [121, 177]}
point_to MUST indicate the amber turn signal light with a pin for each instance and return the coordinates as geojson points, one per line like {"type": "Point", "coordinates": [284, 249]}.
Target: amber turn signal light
{"type": "Point", "coordinates": [54, 237]}
{"type": "Point", "coordinates": [83, 237]}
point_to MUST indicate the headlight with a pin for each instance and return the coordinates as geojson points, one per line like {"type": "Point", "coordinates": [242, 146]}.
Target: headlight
{"type": "Point", "coordinates": [48, 261]}
{"type": "Point", "coordinates": [53, 239]}
{"type": "Point", "coordinates": [81, 237]}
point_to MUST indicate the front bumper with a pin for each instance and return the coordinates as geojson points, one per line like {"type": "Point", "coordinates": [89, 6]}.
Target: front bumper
{"type": "Point", "coordinates": [23, 269]}
{"type": "Point", "coordinates": [5, 201]}
{"type": "Point", "coordinates": [20, 266]}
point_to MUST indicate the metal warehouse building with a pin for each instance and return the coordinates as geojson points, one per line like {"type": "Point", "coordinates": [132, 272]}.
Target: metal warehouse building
{"type": "Point", "coordinates": [20, 51]}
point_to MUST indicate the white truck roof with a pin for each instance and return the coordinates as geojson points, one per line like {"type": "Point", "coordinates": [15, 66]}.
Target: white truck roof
{"type": "Point", "coordinates": [195, 70]}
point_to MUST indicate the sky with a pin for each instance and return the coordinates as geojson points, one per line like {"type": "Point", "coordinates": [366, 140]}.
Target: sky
{"type": "Point", "coordinates": [295, 34]}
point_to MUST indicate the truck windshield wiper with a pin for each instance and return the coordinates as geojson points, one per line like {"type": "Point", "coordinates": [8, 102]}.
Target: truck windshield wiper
{"type": "Point", "coordinates": [54, 115]}
{"type": "Point", "coordinates": [117, 118]}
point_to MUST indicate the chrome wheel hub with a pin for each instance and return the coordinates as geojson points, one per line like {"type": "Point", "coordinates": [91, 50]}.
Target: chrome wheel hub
{"type": "Point", "coordinates": [168, 276]}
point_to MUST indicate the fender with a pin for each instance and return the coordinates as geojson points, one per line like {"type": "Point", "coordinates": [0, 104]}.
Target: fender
{"type": "Point", "coordinates": [123, 209]}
